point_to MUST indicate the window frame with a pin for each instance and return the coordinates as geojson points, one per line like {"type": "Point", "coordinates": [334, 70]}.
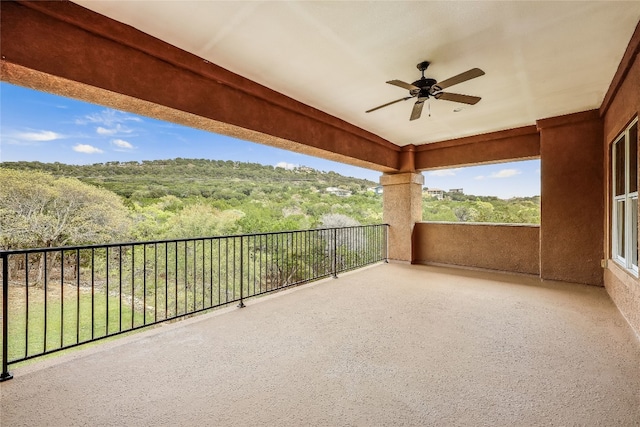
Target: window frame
{"type": "Point", "coordinates": [624, 224]}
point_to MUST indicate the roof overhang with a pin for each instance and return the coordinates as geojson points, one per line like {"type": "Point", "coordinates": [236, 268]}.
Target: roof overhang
{"type": "Point", "coordinates": [299, 75]}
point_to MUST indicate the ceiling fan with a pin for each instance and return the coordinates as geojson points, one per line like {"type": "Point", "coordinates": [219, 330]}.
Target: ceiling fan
{"type": "Point", "coordinates": [425, 88]}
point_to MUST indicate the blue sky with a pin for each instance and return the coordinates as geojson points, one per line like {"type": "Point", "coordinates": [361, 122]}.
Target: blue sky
{"type": "Point", "coordinates": [37, 126]}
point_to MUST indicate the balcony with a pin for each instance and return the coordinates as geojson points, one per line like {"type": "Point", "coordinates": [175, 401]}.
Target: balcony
{"type": "Point", "coordinates": [388, 344]}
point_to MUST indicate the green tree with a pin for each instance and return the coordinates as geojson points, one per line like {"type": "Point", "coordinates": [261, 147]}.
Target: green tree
{"type": "Point", "coordinates": [150, 222]}
{"type": "Point", "coordinates": [484, 212]}
{"type": "Point", "coordinates": [39, 210]}
{"type": "Point", "coordinates": [201, 220]}
{"type": "Point", "coordinates": [337, 220]}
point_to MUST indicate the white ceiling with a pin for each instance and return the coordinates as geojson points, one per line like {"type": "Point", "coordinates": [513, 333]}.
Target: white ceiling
{"type": "Point", "coordinates": [541, 59]}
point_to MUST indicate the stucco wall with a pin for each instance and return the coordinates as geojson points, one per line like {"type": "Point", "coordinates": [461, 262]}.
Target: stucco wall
{"type": "Point", "coordinates": [402, 208]}
{"type": "Point", "coordinates": [623, 288]}
{"type": "Point", "coordinates": [572, 198]}
{"type": "Point", "coordinates": [504, 247]}
{"type": "Point", "coordinates": [511, 144]}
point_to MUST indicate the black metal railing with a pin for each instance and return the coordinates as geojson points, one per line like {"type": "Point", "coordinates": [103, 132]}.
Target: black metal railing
{"type": "Point", "coordinates": [57, 298]}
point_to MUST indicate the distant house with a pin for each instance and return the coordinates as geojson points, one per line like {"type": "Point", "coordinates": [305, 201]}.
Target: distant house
{"type": "Point", "coordinates": [338, 192]}
{"type": "Point", "coordinates": [456, 190]}
{"type": "Point", "coordinates": [377, 190]}
{"type": "Point", "coordinates": [434, 192]}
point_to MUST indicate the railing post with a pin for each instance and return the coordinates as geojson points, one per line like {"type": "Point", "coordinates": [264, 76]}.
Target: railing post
{"type": "Point", "coordinates": [335, 253]}
{"type": "Point", "coordinates": [386, 243]}
{"type": "Point", "coordinates": [5, 375]}
{"type": "Point", "coordinates": [241, 305]}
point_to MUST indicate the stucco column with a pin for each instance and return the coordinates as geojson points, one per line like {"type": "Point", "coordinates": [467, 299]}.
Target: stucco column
{"type": "Point", "coordinates": [402, 208]}
{"type": "Point", "coordinates": [573, 204]}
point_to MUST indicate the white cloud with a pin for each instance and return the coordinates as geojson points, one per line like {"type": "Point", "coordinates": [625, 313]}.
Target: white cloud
{"type": "Point", "coordinates": [444, 172]}
{"type": "Point", "coordinates": [114, 130]}
{"type": "Point", "coordinates": [506, 173]}
{"type": "Point", "coordinates": [38, 136]}
{"type": "Point", "coordinates": [122, 144]}
{"type": "Point", "coordinates": [104, 131]}
{"type": "Point", "coordinates": [108, 117]}
{"type": "Point", "coordinates": [285, 165]}
{"type": "Point", "coordinates": [87, 149]}
{"type": "Point", "coordinates": [479, 177]}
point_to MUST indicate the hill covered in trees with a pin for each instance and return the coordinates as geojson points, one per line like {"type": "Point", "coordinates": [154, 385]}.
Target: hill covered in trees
{"type": "Point", "coordinates": [183, 198]}
{"type": "Point", "coordinates": [184, 178]}
{"type": "Point", "coordinates": [458, 207]}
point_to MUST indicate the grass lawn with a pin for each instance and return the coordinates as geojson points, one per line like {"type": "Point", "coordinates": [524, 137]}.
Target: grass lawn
{"type": "Point", "coordinates": [72, 317]}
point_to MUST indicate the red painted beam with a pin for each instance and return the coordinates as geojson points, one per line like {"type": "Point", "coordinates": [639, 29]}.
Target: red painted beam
{"type": "Point", "coordinates": [110, 63]}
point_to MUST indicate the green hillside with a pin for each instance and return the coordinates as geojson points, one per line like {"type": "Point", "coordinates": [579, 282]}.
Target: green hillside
{"type": "Point", "coordinates": [183, 178]}
{"type": "Point", "coordinates": [181, 198]}
{"type": "Point", "coordinates": [196, 197]}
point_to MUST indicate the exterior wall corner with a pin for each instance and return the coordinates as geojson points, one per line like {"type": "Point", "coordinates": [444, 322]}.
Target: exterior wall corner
{"type": "Point", "coordinates": [402, 208]}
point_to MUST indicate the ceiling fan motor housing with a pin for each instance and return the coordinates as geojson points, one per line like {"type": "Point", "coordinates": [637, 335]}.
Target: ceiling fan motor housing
{"type": "Point", "coordinates": [425, 86]}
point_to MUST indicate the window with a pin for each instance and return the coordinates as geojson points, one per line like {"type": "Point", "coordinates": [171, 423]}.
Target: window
{"type": "Point", "coordinates": [624, 211]}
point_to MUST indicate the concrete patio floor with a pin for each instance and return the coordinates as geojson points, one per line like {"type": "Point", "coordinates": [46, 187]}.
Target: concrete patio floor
{"type": "Point", "coordinates": [391, 344]}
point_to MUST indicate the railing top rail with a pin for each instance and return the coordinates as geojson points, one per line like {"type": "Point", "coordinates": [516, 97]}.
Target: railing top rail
{"type": "Point", "coordinates": [4, 253]}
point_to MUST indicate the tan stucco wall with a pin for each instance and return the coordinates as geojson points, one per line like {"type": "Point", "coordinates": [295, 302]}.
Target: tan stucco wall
{"type": "Point", "coordinates": [402, 208]}
{"type": "Point", "coordinates": [511, 144]}
{"type": "Point", "coordinates": [572, 199]}
{"type": "Point", "coordinates": [504, 247]}
{"type": "Point", "coordinates": [624, 290]}
{"type": "Point", "coordinates": [624, 105]}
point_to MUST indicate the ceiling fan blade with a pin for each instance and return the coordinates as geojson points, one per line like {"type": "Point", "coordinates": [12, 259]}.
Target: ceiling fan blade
{"type": "Point", "coordinates": [456, 97]}
{"type": "Point", "coordinates": [388, 103]}
{"type": "Point", "coordinates": [467, 75]}
{"type": "Point", "coordinates": [403, 85]}
{"type": "Point", "coordinates": [417, 110]}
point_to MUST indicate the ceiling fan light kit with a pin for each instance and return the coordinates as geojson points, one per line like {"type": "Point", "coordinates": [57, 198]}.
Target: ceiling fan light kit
{"type": "Point", "coordinates": [425, 88]}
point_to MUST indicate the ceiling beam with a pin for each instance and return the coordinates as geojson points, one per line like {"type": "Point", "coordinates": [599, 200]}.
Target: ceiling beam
{"type": "Point", "coordinates": [66, 49]}
{"type": "Point", "coordinates": [507, 145]}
